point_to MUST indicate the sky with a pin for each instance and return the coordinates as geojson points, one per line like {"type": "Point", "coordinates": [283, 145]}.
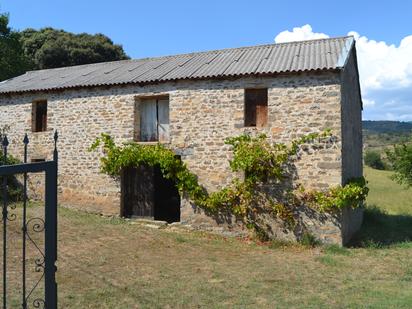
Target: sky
{"type": "Point", "coordinates": [383, 30]}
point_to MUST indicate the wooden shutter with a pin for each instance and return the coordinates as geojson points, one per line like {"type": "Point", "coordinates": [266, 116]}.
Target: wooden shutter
{"type": "Point", "coordinates": [250, 109]}
{"type": "Point", "coordinates": [163, 119]}
{"type": "Point", "coordinates": [39, 116]}
{"type": "Point", "coordinates": [256, 107]}
{"type": "Point", "coordinates": [148, 121]}
{"type": "Point", "coordinates": [34, 117]}
{"type": "Point", "coordinates": [44, 116]}
{"type": "Point", "coordinates": [261, 115]}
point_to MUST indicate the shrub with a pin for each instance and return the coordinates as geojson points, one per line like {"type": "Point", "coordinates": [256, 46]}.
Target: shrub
{"type": "Point", "coordinates": [14, 190]}
{"type": "Point", "coordinates": [401, 160]}
{"type": "Point", "coordinates": [374, 160]}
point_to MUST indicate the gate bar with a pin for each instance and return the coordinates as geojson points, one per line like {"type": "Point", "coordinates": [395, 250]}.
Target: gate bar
{"type": "Point", "coordinates": [35, 167]}
{"type": "Point", "coordinates": [24, 224]}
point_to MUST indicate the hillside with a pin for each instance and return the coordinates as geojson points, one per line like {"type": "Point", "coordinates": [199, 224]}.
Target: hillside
{"type": "Point", "coordinates": [380, 134]}
{"type": "Point", "coordinates": [383, 126]}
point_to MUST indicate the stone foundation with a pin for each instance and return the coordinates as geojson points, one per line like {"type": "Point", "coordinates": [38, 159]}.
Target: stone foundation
{"type": "Point", "coordinates": [328, 228]}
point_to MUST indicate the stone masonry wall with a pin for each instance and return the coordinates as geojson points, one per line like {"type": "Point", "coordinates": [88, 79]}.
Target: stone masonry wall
{"type": "Point", "coordinates": [202, 115]}
{"type": "Point", "coordinates": [352, 163]}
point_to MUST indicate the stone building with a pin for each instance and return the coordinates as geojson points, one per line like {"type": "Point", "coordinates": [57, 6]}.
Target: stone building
{"type": "Point", "coordinates": [192, 102]}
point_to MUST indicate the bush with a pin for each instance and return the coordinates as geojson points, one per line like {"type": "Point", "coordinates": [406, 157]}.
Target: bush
{"type": "Point", "coordinates": [14, 190]}
{"type": "Point", "coordinates": [401, 160]}
{"type": "Point", "coordinates": [374, 160]}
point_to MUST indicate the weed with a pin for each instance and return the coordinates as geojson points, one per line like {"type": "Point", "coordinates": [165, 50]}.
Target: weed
{"type": "Point", "coordinates": [327, 260]}
{"type": "Point", "coordinates": [278, 243]}
{"type": "Point", "coordinates": [336, 250]}
{"type": "Point", "coordinates": [308, 240]}
{"type": "Point", "coordinates": [180, 239]}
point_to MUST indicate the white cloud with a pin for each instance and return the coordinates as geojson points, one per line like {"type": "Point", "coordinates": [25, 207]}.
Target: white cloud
{"type": "Point", "coordinates": [299, 34]}
{"type": "Point", "coordinates": [385, 73]}
{"type": "Point", "coordinates": [382, 65]}
{"type": "Point", "coordinates": [367, 102]}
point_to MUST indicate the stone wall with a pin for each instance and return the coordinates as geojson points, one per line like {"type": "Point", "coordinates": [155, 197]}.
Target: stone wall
{"type": "Point", "coordinates": [202, 115]}
{"type": "Point", "coordinates": [352, 163]}
{"type": "Point", "coordinates": [351, 121]}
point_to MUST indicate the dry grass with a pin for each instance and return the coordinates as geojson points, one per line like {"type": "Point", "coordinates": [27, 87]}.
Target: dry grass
{"type": "Point", "coordinates": [110, 263]}
{"type": "Point", "coordinates": [107, 263]}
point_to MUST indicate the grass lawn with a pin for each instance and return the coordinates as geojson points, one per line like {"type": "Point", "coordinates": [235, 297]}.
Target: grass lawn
{"type": "Point", "coordinates": [387, 194]}
{"type": "Point", "coordinates": [110, 263]}
{"type": "Point", "coordinates": [388, 218]}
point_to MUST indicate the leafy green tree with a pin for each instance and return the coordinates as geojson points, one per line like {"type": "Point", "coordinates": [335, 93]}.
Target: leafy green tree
{"type": "Point", "coordinates": [13, 62]}
{"type": "Point", "coordinates": [374, 160]}
{"type": "Point", "coordinates": [51, 48]}
{"type": "Point", "coordinates": [401, 160]}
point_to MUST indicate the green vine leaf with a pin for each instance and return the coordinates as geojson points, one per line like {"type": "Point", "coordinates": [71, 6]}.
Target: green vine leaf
{"type": "Point", "coordinates": [259, 160]}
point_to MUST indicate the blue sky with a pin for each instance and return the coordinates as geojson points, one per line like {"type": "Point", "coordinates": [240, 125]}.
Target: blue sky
{"type": "Point", "coordinates": [154, 28]}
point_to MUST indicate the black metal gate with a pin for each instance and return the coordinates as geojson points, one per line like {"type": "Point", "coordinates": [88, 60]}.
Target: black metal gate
{"type": "Point", "coordinates": [45, 263]}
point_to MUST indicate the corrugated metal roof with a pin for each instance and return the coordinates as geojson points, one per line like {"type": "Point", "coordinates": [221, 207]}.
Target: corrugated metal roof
{"type": "Point", "coordinates": [323, 54]}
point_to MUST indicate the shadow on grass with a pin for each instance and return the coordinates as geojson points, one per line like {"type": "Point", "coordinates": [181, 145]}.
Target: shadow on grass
{"type": "Point", "coordinates": [380, 229]}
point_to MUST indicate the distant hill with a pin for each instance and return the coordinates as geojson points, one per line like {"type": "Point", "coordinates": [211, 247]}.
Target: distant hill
{"type": "Point", "coordinates": [383, 126]}
{"type": "Point", "coordinates": [378, 135]}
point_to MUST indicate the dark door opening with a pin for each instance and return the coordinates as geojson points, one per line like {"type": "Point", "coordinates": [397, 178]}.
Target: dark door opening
{"type": "Point", "coordinates": [147, 194]}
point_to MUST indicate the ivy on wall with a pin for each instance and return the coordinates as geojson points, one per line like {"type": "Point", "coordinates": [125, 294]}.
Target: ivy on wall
{"type": "Point", "coordinates": [259, 160]}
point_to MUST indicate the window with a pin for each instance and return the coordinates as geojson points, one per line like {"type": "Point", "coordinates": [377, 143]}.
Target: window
{"type": "Point", "coordinates": [256, 107]}
{"type": "Point", "coordinates": [154, 119]}
{"type": "Point", "coordinates": [39, 116]}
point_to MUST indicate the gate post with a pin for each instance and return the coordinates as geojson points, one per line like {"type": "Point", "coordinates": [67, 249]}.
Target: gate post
{"type": "Point", "coordinates": [51, 232]}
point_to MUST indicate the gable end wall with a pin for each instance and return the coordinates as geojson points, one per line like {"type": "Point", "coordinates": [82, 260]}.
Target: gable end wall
{"type": "Point", "coordinates": [352, 163]}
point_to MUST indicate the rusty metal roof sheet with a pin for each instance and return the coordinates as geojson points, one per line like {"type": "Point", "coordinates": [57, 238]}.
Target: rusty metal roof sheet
{"type": "Point", "coordinates": [323, 54]}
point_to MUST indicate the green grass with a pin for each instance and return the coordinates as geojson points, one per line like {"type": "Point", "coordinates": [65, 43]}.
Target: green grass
{"type": "Point", "coordinates": [327, 260]}
{"type": "Point", "coordinates": [110, 263]}
{"type": "Point", "coordinates": [388, 216]}
{"type": "Point", "coordinates": [336, 250]}
{"type": "Point", "coordinates": [386, 194]}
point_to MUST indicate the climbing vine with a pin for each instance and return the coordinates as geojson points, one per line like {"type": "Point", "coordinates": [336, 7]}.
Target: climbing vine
{"type": "Point", "coordinates": [353, 194]}
{"type": "Point", "coordinates": [260, 161]}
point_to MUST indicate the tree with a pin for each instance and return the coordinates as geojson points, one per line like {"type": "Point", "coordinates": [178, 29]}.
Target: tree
{"type": "Point", "coordinates": [13, 62]}
{"type": "Point", "coordinates": [401, 160]}
{"type": "Point", "coordinates": [51, 48]}
{"type": "Point", "coordinates": [374, 160]}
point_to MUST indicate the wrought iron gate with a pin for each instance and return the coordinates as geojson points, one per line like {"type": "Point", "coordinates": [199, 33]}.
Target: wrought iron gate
{"type": "Point", "coordinates": [45, 263]}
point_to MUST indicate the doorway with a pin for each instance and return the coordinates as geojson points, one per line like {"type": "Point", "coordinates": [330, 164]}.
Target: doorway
{"type": "Point", "coordinates": [145, 193]}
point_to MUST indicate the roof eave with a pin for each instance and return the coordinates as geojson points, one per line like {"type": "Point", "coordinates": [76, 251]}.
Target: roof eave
{"type": "Point", "coordinates": [235, 76]}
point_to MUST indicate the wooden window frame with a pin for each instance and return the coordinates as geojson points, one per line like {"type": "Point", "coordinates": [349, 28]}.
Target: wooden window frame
{"type": "Point", "coordinates": [256, 107]}
{"type": "Point", "coordinates": [162, 119]}
{"type": "Point", "coordinates": [37, 124]}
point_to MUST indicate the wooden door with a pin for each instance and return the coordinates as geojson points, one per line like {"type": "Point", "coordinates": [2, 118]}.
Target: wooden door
{"type": "Point", "coordinates": [137, 196]}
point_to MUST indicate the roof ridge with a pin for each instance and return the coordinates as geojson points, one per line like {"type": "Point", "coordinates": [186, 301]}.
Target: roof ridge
{"type": "Point", "coordinates": [193, 53]}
